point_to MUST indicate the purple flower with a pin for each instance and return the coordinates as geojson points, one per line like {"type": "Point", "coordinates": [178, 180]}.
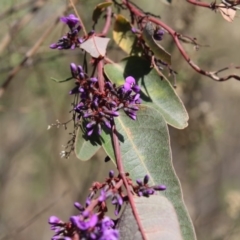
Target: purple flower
{"type": "Point", "coordinates": [84, 221]}
{"type": "Point", "coordinates": [158, 35]}
{"type": "Point", "coordinates": [103, 196]}
{"type": "Point", "coordinates": [110, 234]}
{"type": "Point", "coordinates": [71, 20]}
{"type": "Point", "coordinates": [53, 220]}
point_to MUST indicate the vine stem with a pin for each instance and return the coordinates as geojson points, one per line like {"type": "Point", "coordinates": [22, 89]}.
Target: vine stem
{"type": "Point", "coordinates": [120, 167]}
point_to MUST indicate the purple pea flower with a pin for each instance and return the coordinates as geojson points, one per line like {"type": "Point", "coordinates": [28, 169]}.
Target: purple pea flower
{"type": "Point", "coordinates": [71, 20]}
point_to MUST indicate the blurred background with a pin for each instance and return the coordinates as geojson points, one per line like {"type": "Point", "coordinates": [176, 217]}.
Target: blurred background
{"type": "Point", "coordinates": [35, 182]}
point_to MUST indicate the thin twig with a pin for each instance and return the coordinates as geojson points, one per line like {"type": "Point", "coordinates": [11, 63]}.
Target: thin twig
{"type": "Point", "coordinates": [18, 25]}
{"type": "Point", "coordinates": [29, 54]}
{"type": "Point", "coordinates": [15, 8]}
{"type": "Point", "coordinates": [81, 22]}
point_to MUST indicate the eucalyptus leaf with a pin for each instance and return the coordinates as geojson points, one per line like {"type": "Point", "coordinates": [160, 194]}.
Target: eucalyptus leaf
{"type": "Point", "coordinates": [123, 35]}
{"type": "Point", "coordinates": [99, 9]}
{"type": "Point", "coordinates": [157, 216]}
{"type": "Point", "coordinates": [158, 50]}
{"type": "Point", "coordinates": [154, 91]}
{"type": "Point", "coordinates": [95, 46]}
{"type": "Point", "coordinates": [145, 149]}
{"type": "Point", "coordinates": [85, 148]}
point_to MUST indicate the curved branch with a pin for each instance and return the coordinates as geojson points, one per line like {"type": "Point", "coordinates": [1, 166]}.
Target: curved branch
{"type": "Point", "coordinates": [176, 37]}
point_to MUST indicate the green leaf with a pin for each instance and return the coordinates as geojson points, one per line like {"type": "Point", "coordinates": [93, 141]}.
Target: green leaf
{"type": "Point", "coordinates": [158, 50]}
{"type": "Point", "coordinates": [60, 81]}
{"type": "Point", "coordinates": [145, 149]}
{"type": "Point", "coordinates": [95, 46]}
{"type": "Point", "coordinates": [99, 9]}
{"type": "Point", "coordinates": [124, 37]}
{"type": "Point", "coordinates": [157, 216]}
{"type": "Point", "coordinates": [85, 149]}
{"type": "Point", "coordinates": [154, 91]}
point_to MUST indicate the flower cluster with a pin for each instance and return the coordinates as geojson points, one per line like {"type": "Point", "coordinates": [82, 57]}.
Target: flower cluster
{"type": "Point", "coordinates": [91, 223]}
{"type": "Point", "coordinates": [142, 188]}
{"type": "Point", "coordinates": [71, 39]}
{"type": "Point", "coordinates": [85, 226]}
{"type": "Point", "coordinates": [99, 108]}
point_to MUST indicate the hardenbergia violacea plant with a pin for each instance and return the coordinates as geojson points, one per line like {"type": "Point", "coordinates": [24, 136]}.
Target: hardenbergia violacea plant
{"type": "Point", "coordinates": [124, 107]}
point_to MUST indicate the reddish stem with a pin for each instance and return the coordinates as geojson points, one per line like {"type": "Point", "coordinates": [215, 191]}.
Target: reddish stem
{"type": "Point", "coordinates": [100, 75]}
{"type": "Point", "coordinates": [120, 167]}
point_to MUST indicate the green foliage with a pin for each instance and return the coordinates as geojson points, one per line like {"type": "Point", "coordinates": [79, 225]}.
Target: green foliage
{"type": "Point", "coordinates": [124, 37]}
{"type": "Point", "coordinates": [145, 149]}
{"type": "Point", "coordinates": [156, 92]}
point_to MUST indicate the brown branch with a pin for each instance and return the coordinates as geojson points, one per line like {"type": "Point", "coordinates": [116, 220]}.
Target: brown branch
{"type": "Point", "coordinates": [29, 54]}
{"type": "Point", "coordinates": [81, 22]}
{"type": "Point", "coordinates": [15, 8]}
{"type": "Point", "coordinates": [19, 24]}
{"type": "Point", "coordinates": [176, 37]}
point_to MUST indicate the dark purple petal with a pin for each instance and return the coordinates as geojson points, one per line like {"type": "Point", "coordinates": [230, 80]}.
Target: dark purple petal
{"type": "Point", "coordinates": [117, 209]}
{"type": "Point", "coordinates": [99, 129]}
{"type": "Point", "coordinates": [90, 132]}
{"type": "Point", "coordinates": [139, 182]}
{"type": "Point", "coordinates": [80, 69]}
{"type": "Point", "coordinates": [111, 113]}
{"type": "Point", "coordinates": [132, 116]}
{"type": "Point", "coordinates": [91, 124]}
{"type": "Point", "coordinates": [136, 88]}
{"type": "Point", "coordinates": [102, 196]}
{"type": "Point", "coordinates": [107, 123]}
{"type": "Point", "coordinates": [71, 20]}
{"type": "Point", "coordinates": [75, 220]}
{"type": "Point", "coordinates": [53, 46]}
{"type": "Point", "coordinates": [134, 30]}
{"type": "Point", "coordinates": [94, 80]}
{"type": "Point", "coordinates": [160, 188]}
{"type": "Point", "coordinates": [81, 75]}
{"type": "Point", "coordinates": [130, 80]}
{"type": "Point", "coordinates": [93, 220]}
{"type": "Point", "coordinates": [126, 87]}
{"type": "Point", "coordinates": [80, 40]}
{"type": "Point", "coordinates": [107, 223]}
{"type": "Point", "coordinates": [146, 179]}
{"type": "Point", "coordinates": [136, 97]}
{"type": "Point", "coordinates": [74, 69]}
{"type": "Point", "coordinates": [111, 174]}
{"type": "Point", "coordinates": [53, 220]}
{"type": "Point", "coordinates": [78, 206]}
